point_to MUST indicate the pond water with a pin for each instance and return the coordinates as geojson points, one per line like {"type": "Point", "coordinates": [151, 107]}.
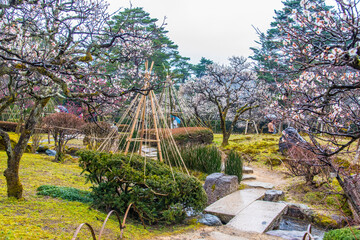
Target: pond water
{"type": "Point", "coordinates": [291, 224]}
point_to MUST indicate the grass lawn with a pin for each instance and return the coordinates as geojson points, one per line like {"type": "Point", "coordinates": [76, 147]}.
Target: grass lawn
{"type": "Point", "coordinates": [39, 217]}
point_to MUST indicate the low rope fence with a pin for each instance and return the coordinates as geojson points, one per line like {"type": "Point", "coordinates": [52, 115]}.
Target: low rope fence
{"type": "Point", "coordinates": [92, 231]}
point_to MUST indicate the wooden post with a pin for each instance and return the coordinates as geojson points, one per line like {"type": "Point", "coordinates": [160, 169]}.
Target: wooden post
{"type": "Point", "coordinates": [134, 124]}
{"type": "Point", "coordinates": [155, 126]}
{"type": "Point", "coordinates": [256, 129]}
{"type": "Point", "coordinates": [246, 126]}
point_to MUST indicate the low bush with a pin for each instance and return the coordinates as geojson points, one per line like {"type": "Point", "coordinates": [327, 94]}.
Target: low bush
{"type": "Point", "coordinates": [157, 192]}
{"type": "Point", "coordinates": [234, 165]}
{"type": "Point", "coordinates": [67, 193]}
{"type": "Point", "coordinates": [201, 158]}
{"type": "Point", "coordinates": [342, 234]}
{"type": "Point", "coordinates": [304, 163]}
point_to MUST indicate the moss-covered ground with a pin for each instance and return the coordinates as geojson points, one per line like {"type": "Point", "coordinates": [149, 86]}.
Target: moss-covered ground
{"type": "Point", "coordinates": [39, 217]}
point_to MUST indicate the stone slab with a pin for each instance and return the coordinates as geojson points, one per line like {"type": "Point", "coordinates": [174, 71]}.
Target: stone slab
{"type": "Point", "coordinates": [227, 207]}
{"type": "Point", "coordinates": [255, 184]}
{"type": "Point", "coordinates": [248, 177]}
{"type": "Point", "coordinates": [259, 217]}
{"type": "Point", "coordinates": [247, 170]}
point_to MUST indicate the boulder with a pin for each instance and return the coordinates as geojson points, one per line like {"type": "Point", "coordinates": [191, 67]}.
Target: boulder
{"type": "Point", "coordinates": [218, 185]}
{"type": "Point", "coordinates": [289, 138]}
{"type": "Point", "coordinates": [300, 211]}
{"type": "Point", "coordinates": [210, 220]}
{"type": "Point", "coordinates": [274, 195]}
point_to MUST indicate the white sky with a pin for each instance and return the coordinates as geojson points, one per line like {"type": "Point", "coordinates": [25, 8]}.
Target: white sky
{"type": "Point", "coordinates": [215, 29]}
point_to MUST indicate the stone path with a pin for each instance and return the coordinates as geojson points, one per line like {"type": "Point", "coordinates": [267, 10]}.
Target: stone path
{"type": "Point", "coordinates": [259, 217]}
{"type": "Point", "coordinates": [247, 217]}
{"type": "Point", "coordinates": [229, 206]}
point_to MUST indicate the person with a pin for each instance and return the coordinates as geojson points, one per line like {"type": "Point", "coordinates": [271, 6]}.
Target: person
{"type": "Point", "coordinates": [271, 127]}
{"type": "Point", "coordinates": [174, 122]}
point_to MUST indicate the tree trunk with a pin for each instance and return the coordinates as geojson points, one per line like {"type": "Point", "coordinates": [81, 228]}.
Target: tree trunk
{"type": "Point", "coordinates": [226, 136]}
{"type": "Point", "coordinates": [14, 187]}
{"type": "Point", "coordinates": [357, 155]}
{"type": "Point", "coordinates": [351, 188]}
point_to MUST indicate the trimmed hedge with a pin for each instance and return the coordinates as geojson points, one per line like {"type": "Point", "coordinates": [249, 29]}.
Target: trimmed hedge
{"type": "Point", "coordinates": [342, 234]}
{"type": "Point", "coordinates": [186, 135]}
{"type": "Point", "coordinates": [158, 193]}
{"type": "Point", "coordinates": [8, 126]}
{"type": "Point", "coordinates": [192, 135]}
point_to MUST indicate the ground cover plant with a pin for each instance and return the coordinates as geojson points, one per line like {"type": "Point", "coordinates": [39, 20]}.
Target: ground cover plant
{"type": "Point", "coordinates": [43, 217]}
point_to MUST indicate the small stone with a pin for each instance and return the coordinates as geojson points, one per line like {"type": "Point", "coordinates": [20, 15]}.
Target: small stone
{"type": "Point", "coordinates": [273, 195]}
{"type": "Point", "coordinates": [210, 220]}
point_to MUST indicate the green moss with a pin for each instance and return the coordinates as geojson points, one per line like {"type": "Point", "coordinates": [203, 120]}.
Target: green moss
{"type": "Point", "coordinates": [41, 217]}
{"type": "Point", "coordinates": [325, 221]}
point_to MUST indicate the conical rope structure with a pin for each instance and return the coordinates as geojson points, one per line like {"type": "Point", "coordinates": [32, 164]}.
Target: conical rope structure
{"type": "Point", "coordinates": [143, 129]}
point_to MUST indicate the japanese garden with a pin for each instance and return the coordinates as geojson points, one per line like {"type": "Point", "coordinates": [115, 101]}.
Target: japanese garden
{"type": "Point", "coordinates": [108, 132]}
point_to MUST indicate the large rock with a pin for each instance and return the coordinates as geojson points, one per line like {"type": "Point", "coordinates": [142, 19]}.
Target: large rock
{"type": "Point", "coordinates": [299, 211]}
{"type": "Point", "coordinates": [218, 185]}
{"type": "Point", "coordinates": [210, 220]}
{"type": "Point", "coordinates": [273, 195]}
{"type": "Point", "coordinates": [289, 138]}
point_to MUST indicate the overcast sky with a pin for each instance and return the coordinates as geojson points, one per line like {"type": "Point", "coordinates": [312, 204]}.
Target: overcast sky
{"type": "Point", "coordinates": [215, 29]}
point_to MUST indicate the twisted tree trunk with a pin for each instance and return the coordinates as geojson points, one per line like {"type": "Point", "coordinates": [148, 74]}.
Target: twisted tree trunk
{"type": "Point", "coordinates": [14, 186]}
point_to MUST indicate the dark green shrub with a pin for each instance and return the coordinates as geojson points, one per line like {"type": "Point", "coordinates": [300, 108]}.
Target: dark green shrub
{"type": "Point", "coordinates": [157, 194]}
{"type": "Point", "coordinates": [234, 165]}
{"type": "Point", "coordinates": [67, 193]}
{"type": "Point", "coordinates": [8, 126]}
{"type": "Point", "coordinates": [342, 234]}
{"type": "Point", "coordinates": [202, 158]}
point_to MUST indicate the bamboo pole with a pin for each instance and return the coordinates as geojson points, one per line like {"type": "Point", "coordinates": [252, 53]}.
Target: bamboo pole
{"type": "Point", "coordinates": [142, 125]}
{"type": "Point", "coordinates": [134, 124]}
{"type": "Point", "coordinates": [155, 126]}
